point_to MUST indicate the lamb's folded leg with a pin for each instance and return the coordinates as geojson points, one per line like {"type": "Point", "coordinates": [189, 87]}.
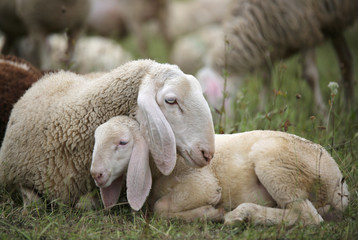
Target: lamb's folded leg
{"type": "Point", "coordinates": [163, 208]}
{"type": "Point", "coordinates": [29, 198]}
{"type": "Point", "coordinates": [299, 211]}
{"type": "Point", "coordinates": [88, 202]}
{"type": "Point", "coordinates": [189, 196]}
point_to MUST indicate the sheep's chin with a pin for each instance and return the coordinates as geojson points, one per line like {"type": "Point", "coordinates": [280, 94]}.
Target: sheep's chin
{"type": "Point", "coordinates": [190, 161]}
{"type": "Point", "coordinates": [110, 194]}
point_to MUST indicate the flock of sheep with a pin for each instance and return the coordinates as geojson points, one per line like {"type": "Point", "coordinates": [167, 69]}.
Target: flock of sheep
{"type": "Point", "coordinates": [147, 124]}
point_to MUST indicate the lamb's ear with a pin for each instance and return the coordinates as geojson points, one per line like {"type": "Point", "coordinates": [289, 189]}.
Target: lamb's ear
{"type": "Point", "coordinates": [155, 126]}
{"type": "Point", "coordinates": [139, 177]}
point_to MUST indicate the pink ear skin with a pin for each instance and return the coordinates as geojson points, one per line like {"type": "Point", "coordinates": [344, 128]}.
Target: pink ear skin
{"type": "Point", "coordinates": [139, 177]}
{"type": "Point", "coordinates": [161, 137]}
{"type": "Point", "coordinates": [110, 194]}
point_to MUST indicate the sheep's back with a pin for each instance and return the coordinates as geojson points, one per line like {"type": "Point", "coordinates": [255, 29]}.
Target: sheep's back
{"type": "Point", "coordinates": [53, 16]}
{"type": "Point", "coordinates": [38, 134]}
{"type": "Point", "coordinates": [335, 15]}
{"type": "Point", "coordinates": [259, 31]}
{"type": "Point", "coordinates": [49, 140]}
{"type": "Point", "coordinates": [307, 163]}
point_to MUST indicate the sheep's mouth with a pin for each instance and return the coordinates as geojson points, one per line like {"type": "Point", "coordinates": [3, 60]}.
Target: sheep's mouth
{"type": "Point", "coordinates": [191, 161]}
{"type": "Point", "coordinates": [110, 194]}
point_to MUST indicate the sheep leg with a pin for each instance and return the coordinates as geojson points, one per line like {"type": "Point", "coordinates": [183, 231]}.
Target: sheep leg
{"type": "Point", "coordinates": [72, 37]}
{"type": "Point", "coordinates": [257, 214]}
{"type": "Point", "coordinates": [264, 93]}
{"type": "Point", "coordinates": [29, 197]}
{"type": "Point", "coordinates": [310, 74]}
{"type": "Point", "coordinates": [190, 196]}
{"type": "Point", "coordinates": [38, 54]}
{"type": "Point", "coordinates": [88, 202]}
{"type": "Point", "coordinates": [346, 66]}
{"type": "Point", "coordinates": [165, 209]}
{"type": "Point", "coordinates": [8, 45]}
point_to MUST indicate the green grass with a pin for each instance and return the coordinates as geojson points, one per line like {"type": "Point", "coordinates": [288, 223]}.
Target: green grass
{"type": "Point", "coordinates": [282, 110]}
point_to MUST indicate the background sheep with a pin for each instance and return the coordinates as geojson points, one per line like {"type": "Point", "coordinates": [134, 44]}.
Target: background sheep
{"type": "Point", "coordinates": [38, 18]}
{"type": "Point", "coordinates": [258, 34]}
{"type": "Point", "coordinates": [252, 173]}
{"type": "Point", "coordinates": [91, 54]}
{"type": "Point", "coordinates": [49, 139]}
{"type": "Point", "coordinates": [106, 18]}
{"type": "Point", "coordinates": [120, 18]}
{"type": "Point", "coordinates": [190, 51]}
{"type": "Point", "coordinates": [16, 76]}
{"type": "Point", "coordinates": [185, 17]}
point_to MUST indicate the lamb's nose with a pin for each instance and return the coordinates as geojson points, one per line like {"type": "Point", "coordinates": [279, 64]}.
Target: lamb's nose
{"type": "Point", "coordinates": [100, 177]}
{"type": "Point", "coordinates": [97, 177]}
{"type": "Point", "coordinates": [207, 156]}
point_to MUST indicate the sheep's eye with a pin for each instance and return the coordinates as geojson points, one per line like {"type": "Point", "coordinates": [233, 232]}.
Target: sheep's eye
{"type": "Point", "coordinates": [123, 142]}
{"type": "Point", "coordinates": [171, 101]}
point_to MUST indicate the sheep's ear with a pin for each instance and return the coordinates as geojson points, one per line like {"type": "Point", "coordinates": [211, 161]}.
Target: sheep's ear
{"type": "Point", "coordinates": [155, 126]}
{"type": "Point", "coordinates": [139, 177]}
{"type": "Point", "coordinates": [110, 195]}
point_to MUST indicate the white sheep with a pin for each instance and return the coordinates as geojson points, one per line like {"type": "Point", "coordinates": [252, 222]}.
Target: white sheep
{"type": "Point", "coordinates": [107, 18]}
{"type": "Point", "coordinates": [267, 177]}
{"type": "Point", "coordinates": [38, 18]}
{"type": "Point", "coordinates": [258, 34]}
{"type": "Point", "coordinates": [48, 142]}
{"type": "Point", "coordinates": [185, 17]}
{"type": "Point", "coordinates": [189, 52]}
{"type": "Point", "coordinates": [91, 54]}
{"type": "Point", "coordinates": [117, 18]}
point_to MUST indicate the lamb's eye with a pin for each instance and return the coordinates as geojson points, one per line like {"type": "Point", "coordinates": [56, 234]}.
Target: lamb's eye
{"type": "Point", "coordinates": [171, 100]}
{"type": "Point", "coordinates": [123, 142]}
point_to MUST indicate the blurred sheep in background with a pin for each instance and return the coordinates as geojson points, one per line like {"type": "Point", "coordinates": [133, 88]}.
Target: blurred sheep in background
{"type": "Point", "coordinates": [107, 18]}
{"type": "Point", "coordinates": [91, 54]}
{"type": "Point", "coordinates": [120, 18]}
{"type": "Point", "coordinates": [259, 33]}
{"type": "Point", "coordinates": [37, 19]}
{"type": "Point", "coordinates": [188, 16]}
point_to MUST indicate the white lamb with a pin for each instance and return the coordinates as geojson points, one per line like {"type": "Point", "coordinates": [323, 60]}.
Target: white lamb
{"type": "Point", "coordinates": [267, 177]}
{"type": "Point", "coordinates": [49, 141]}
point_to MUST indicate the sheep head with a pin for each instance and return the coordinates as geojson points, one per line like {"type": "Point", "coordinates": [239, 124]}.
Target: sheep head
{"type": "Point", "coordinates": [174, 115]}
{"type": "Point", "coordinates": [118, 143]}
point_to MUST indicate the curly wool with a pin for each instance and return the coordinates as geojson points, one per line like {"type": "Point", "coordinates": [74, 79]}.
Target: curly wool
{"type": "Point", "coordinates": [49, 140]}
{"type": "Point", "coordinates": [264, 31]}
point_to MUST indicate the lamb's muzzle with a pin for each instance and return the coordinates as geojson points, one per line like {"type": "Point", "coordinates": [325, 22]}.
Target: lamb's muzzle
{"type": "Point", "coordinates": [100, 176]}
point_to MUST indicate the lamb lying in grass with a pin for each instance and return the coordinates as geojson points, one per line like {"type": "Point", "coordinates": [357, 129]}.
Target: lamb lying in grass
{"type": "Point", "coordinates": [267, 177]}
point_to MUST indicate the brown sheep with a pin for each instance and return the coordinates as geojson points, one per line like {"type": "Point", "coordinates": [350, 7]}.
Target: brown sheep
{"type": "Point", "coordinates": [16, 76]}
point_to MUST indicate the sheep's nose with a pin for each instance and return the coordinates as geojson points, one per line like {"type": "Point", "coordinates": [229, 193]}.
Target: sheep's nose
{"type": "Point", "coordinates": [207, 156]}
{"type": "Point", "coordinates": [100, 177]}
{"type": "Point", "coordinates": [97, 177]}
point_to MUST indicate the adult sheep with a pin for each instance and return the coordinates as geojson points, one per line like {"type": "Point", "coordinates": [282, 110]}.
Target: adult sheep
{"type": "Point", "coordinates": [259, 33]}
{"type": "Point", "coordinates": [264, 176]}
{"type": "Point", "coordinates": [48, 142]}
{"type": "Point", "coordinates": [38, 18]}
{"type": "Point", "coordinates": [16, 76]}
